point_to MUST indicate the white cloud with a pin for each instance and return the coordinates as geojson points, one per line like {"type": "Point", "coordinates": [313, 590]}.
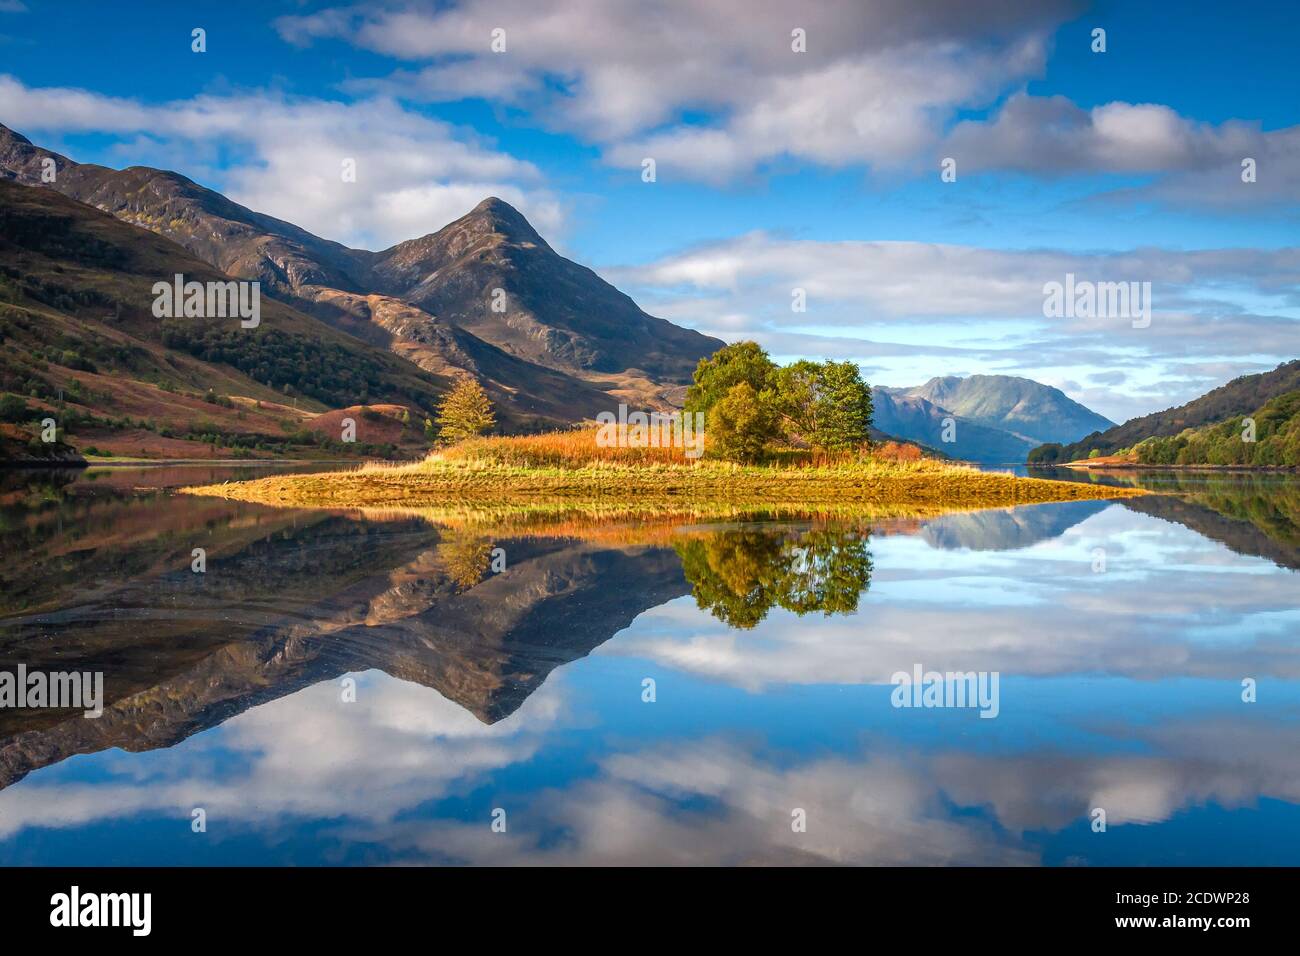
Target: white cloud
{"type": "Point", "coordinates": [875, 85]}
{"type": "Point", "coordinates": [1052, 136]}
{"type": "Point", "coordinates": [413, 174]}
{"type": "Point", "coordinates": [712, 90]}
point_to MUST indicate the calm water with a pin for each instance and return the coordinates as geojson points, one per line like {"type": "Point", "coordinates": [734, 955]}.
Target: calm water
{"type": "Point", "coordinates": [1120, 634]}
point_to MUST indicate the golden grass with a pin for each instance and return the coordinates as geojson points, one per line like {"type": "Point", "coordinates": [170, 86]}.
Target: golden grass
{"type": "Point", "coordinates": [578, 447]}
{"type": "Point", "coordinates": [566, 472]}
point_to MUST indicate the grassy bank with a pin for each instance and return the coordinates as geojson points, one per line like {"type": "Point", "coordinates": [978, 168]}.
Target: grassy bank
{"type": "Point", "coordinates": [566, 471]}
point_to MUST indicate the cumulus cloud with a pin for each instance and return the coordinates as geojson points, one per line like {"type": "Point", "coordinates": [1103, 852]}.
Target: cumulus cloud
{"type": "Point", "coordinates": [713, 90]}
{"type": "Point", "coordinates": [1052, 136]}
{"type": "Point", "coordinates": [395, 746]}
{"type": "Point", "coordinates": [875, 85]}
{"type": "Point", "coordinates": [414, 174]}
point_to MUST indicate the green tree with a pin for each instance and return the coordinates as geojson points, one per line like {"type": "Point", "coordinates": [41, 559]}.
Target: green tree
{"type": "Point", "coordinates": [12, 408]}
{"type": "Point", "coordinates": [827, 404]}
{"type": "Point", "coordinates": [797, 388]}
{"type": "Point", "coordinates": [844, 414]}
{"type": "Point", "coordinates": [465, 412]}
{"type": "Point", "coordinates": [716, 375]}
{"type": "Point", "coordinates": [741, 424]}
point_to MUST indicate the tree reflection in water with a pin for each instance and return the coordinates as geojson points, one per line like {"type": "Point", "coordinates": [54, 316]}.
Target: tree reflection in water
{"type": "Point", "coordinates": [740, 575]}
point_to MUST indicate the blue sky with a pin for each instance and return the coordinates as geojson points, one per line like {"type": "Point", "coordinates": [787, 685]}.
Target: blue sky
{"type": "Point", "coordinates": [775, 169]}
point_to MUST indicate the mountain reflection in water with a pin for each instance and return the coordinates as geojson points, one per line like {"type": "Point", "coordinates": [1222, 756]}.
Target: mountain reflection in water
{"type": "Point", "coordinates": [769, 640]}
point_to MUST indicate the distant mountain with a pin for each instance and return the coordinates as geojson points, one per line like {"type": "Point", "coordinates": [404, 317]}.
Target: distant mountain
{"type": "Point", "coordinates": [564, 345]}
{"type": "Point", "coordinates": [913, 418]}
{"type": "Point", "coordinates": [1241, 396]}
{"type": "Point", "coordinates": [998, 418]}
{"type": "Point", "coordinates": [1020, 406]}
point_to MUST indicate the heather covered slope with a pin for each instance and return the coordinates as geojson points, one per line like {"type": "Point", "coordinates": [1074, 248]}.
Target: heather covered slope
{"type": "Point", "coordinates": [1241, 396]}
{"type": "Point", "coordinates": [79, 341]}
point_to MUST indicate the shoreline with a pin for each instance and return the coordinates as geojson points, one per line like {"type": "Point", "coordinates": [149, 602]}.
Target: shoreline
{"type": "Point", "coordinates": [1085, 465]}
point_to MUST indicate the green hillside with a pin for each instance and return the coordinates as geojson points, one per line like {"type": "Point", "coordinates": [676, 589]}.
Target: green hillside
{"type": "Point", "coordinates": [1239, 397]}
{"type": "Point", "coordinates": [1276, 440]}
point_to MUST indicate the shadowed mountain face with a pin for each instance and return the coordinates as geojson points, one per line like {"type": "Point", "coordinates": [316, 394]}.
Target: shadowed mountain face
{"type": "Point", "coordinates": [77, 323]}
{"type": "Point", "coordinates": [233, 238]}
{"type": "Point", "coordinates": [549, 346]}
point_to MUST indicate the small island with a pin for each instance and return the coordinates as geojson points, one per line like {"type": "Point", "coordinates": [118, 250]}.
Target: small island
{"type": "Point", "coordinates": [777, 437]}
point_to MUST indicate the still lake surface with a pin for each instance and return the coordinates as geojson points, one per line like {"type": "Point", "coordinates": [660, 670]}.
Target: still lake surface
{"type": "Point", "coordinates": [1121, 634]}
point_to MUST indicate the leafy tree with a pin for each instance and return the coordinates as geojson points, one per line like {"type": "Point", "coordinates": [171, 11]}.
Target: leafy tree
{"type": "Point", "coordinates": [465, 412]}
{"type": "Point", "coordinates": [827, 404]}
{"type": "Point", "coordinates": [12, 408]}
{"type": "Point", "coordinates": [741, 424]}
{"type": "Point", "coordinates": [1276, 439]}
{"type": "Point", "coordinates": [716, 375]}
{"type": "Point", "coordinates": [797, 387]}
{"type": "Point", "coordinates": [1045, 454]}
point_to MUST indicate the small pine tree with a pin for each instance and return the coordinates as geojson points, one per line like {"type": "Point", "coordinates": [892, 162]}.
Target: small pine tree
{"type": "Point", "coordinates": [465, 412]}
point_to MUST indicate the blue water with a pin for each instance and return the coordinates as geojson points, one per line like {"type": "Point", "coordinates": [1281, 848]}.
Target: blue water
{"type": "Point", "coordinates": [1120, 632]}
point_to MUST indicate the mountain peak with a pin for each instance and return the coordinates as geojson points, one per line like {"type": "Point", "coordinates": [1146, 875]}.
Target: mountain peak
{"type": "Point", "coordinates": [1017, 406]}
{"type": "Point", "coordinates": [498, 216]}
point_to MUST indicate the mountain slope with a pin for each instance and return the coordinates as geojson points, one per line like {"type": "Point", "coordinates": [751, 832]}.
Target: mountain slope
{"type": "Point", "coordinates": [566, 346]}
{"type": "Point", "coordinates": [1241, 396]}
{"type": "Point", "coordinates": [1020, 406]}
{"type": "Point", "coordinates": [1275, 441]}
{"type": "Point", "coordinates": [235, 239]}
{"type": "Point", "coordinates": [79, 340]}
